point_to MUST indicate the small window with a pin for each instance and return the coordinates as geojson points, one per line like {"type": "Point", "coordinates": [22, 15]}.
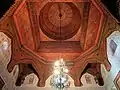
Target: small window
{"type": "Point", "coordinates": [113, 46]}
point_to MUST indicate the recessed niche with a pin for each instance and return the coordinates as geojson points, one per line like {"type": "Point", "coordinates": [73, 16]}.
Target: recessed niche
{"type": "Point", "coordinates": [113, 46]}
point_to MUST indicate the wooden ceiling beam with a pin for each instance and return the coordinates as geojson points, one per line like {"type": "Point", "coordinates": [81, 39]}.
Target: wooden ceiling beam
{"type": "Point", "coordinates": [34, 25]}
{"type": "Point", "coordinates": [57, 47]}
{"type": "Point", "coordinates": [84, 24]}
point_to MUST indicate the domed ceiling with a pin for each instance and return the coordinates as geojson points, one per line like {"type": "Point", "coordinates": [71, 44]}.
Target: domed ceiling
{"type": "Point", "coordinates": [58, 29]}
{"type": "Point", "coordinates": [60, 21]}
{"type": "Point", "coordinates": [43, 31]}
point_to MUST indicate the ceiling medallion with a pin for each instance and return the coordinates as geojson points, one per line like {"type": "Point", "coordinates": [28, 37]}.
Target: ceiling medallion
{"type": "Point", "coordinates": [60, 20]}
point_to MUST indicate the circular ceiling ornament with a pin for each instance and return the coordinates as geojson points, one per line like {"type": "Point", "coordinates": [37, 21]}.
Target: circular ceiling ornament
{"type": "Point", "coordinates": [60, 20]}
{"type": "Point", "coordinates": [60, 13]}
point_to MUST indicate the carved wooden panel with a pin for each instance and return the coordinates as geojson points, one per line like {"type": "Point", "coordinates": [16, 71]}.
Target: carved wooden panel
{"type": "Point", "coordinates": [22, 21]}
{"type": "Point", "coordinates": [93, 26]}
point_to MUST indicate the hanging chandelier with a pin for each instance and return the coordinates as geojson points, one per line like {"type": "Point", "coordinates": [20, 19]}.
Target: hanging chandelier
{"type": "Point", "coordinates": [60, 78]}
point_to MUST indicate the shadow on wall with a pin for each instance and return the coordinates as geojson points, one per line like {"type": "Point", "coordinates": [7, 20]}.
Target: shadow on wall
{"type": "Point", "coordinates": [27, 75]}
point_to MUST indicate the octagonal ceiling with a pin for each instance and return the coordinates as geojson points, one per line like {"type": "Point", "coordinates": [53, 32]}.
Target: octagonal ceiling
{"type": "Point", "coordinates": [58, 29]}
{"type": "Point", "coordinates": [60, 20]}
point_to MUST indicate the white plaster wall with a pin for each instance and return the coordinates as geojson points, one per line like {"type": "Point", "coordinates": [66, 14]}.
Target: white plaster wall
{"type": "Point", "coordinates": [91, 77]}
{"type": "Point", "coordinates": [5, 49]}
{"type": "Point", "coordinates": [5, 55]}
{"type": "Point", "coordinates": [31, 77]}
{"type": "Point", "coordinates": [7, 78]}
{"type": "Point", "coordinates": [15, 73]}
{"type": "Point", "coordinates": [104, 72]}
{"type": "Point", "coordinates": [113, 59]}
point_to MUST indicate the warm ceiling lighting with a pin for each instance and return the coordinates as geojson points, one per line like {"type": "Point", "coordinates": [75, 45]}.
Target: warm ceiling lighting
{"type": "Point", "coordinates": [59, 66]}
{"type": "Point", "coordinates": [56, 72]}
{"type": "Point", "coordinates": [56, 63]}
{"type": "Point", "coordinates": [60, 76]}
{"type": "Point", "coordinates": [66, 70]}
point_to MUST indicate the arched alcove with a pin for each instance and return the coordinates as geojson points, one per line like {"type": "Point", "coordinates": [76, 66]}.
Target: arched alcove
{"type": "Point", "coordinates": [27, 74]}
{"type": "Point", "coordinates": [87, 79]}
{"type": "Point", "coordinates": [31, 79]}
{"type": "Point", "coordinates": [95, 71]}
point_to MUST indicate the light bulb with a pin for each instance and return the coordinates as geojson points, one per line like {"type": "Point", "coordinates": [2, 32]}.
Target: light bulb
{"type": "Point", "coordinates": [66, 70]}
{"type": "Point", "coordinates": [56, 72]}
{"type": "Point", "coordinates": [61, 59]}
{"type": "Point", "coordinates": [57, 63]}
